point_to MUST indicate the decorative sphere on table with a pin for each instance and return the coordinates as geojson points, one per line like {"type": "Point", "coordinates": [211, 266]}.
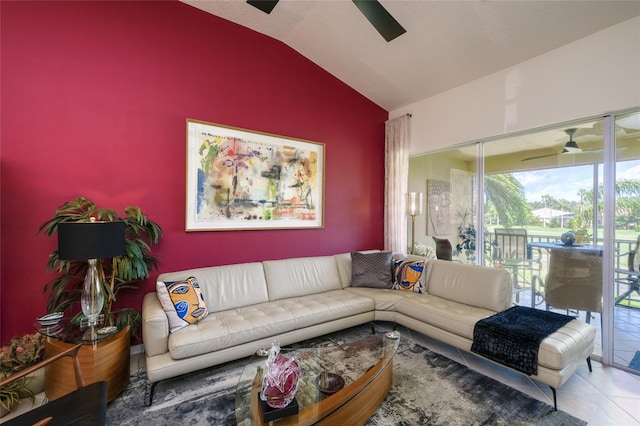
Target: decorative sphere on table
{"type": "Point", "coordinates": [568, 238]}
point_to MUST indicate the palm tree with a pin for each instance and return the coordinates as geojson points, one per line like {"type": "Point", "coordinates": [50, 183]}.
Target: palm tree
{"type": "Point", "coordinates": [504, 194]}
{"type": "Point", "coordinates": [627, 203]}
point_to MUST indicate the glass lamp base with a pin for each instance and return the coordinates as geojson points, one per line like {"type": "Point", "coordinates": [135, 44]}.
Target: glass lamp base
{"type": "Point", "coordinates": [92, 297]}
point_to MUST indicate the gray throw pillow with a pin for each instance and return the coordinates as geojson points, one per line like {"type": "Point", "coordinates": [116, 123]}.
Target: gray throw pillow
{"type": "Point", "coordinates": [371, 270]}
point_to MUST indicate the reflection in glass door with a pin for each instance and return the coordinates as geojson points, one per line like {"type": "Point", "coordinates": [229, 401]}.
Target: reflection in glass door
{"type": "Point", "coordinates": [539, 187]}
{"type": "Point", "coordinates": [446, 176]}
{"type": "Point", "coordinates": [626, 263]}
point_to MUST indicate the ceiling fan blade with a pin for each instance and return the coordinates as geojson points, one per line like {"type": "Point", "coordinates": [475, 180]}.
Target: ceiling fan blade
{"type": "Point", "coordinates": [563, 153]}
{"type": "Point", "coordinates": [264, 5]}
{"type": "Point", "coordinates": [382, 20]}
{"type": "Point", "coordinates": [539, 156]}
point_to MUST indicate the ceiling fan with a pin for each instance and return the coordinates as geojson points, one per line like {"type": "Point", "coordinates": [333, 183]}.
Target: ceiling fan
{"type": "Point", "coordinates": [571, 147]}
{"type": "Point", "coordinates": [375, 13]}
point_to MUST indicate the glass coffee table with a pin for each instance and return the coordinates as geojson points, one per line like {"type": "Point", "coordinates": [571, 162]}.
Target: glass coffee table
{"type": "Point", "coordinates": [365, 365]}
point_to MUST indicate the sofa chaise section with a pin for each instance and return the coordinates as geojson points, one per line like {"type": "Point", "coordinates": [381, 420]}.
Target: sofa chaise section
{"type": "Point", "coordinates": [459, 295]}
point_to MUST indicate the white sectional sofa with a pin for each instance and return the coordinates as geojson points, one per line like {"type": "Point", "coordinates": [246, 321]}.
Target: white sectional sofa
{"type": "Point", "coordinates": [252, 304]}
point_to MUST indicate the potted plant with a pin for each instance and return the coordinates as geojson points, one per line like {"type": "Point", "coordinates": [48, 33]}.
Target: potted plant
{"type": "Point", "coordinates": [423, 250]}
{"type": "Point", "coordinates": [11, 394]}
{"type": "Point", "coordinates": [21, 352]}
{"type": "Point", "coordinates": [122, 272]}
{"type": "Point", "coordinates": [467, 242]}
{"type": "Point", "coordinates": [582, 236]}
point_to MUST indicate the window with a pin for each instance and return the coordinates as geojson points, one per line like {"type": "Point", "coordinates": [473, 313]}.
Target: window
{"type": "Point", "coordinates": [537, 186]}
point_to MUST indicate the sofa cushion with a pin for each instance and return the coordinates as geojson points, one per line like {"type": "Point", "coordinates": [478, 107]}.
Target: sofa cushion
{"type": "Point", "coordinates": [227, 287]}
{"type": "Point", "coordinates": [221, 330]}
{"type": "Point", "coordinates": [384, 299]}
{"type": "Point", "coordinates": [454, 317]}
{"type": "Point", "coordinates": [301, 276]}
{"type": "Point", "coordinates": [479, 286]}
{"type": "Point", "coordinates": [371, 269]}
{"type": "Point", "coordinates": [407, 274]}
{"type": "Point", "coordinates": [343, 260]}
{"type": "Point", "coordinates": [448, 315]}
{"type": "Point", "coordinates": [182, 301]}
{"type": "Point", "coordinates": [562, 347]}
{"type": "Point", "coordinates": [325, 307]}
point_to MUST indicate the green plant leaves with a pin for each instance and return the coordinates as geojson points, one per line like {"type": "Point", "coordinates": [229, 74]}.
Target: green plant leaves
{"type": "Point", "coordinates": [122, 272]}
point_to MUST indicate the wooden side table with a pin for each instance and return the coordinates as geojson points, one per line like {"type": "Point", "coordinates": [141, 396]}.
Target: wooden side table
{"type": "Point", "coordinates": [106, 359]}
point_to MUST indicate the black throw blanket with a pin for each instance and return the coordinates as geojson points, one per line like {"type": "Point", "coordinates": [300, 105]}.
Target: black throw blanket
{"type": "Point", "coordinates": [513, 337]}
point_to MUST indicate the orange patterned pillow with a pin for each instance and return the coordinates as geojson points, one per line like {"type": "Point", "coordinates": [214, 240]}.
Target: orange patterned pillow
{"type": "Point", "coordinates": [407, 275]}
{"type": "Point", "coordinates": [182, 301]}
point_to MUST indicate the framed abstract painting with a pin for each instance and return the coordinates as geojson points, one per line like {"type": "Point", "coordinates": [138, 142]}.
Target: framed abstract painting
{"type": "Point", "coordinates": [240, 179]}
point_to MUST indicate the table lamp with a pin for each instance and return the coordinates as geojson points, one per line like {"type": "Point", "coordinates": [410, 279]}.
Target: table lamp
{"type": "Point", "coordinates": [91, 241]}
{"type": "Point", "coordinates": [414, 208]}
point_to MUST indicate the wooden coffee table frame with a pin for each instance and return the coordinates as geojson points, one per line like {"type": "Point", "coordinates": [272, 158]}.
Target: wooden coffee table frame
{"type": "Point", "coordinates": [352, 405]}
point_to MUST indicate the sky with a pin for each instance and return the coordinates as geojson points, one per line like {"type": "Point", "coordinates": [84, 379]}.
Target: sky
{"type": "Point", "coordinates": [567, 181]}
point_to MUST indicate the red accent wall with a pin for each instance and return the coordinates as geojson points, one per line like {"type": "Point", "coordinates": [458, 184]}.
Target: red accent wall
{"type": "Point", "coordinates": [94, 100]}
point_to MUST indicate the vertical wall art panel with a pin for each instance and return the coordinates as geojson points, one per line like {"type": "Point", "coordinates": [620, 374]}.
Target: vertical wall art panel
{"type": "Point", "coordinates": [439, 206]}
{"type": "Point", "coordinates": [240, 179]}
{"type": "Point", "coordinates": [461, 198]}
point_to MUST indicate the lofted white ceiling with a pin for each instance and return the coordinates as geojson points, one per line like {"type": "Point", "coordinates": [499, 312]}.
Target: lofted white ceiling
{"type": "Point", "coordinates": [447, 43]}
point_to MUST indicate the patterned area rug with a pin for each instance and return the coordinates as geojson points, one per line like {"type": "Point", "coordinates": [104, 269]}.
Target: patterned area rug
{"type": "Point", "coordinates": [428, 389]}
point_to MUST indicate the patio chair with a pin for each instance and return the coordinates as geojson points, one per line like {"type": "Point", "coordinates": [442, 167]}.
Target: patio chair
{"type": "Point", "coordinates": [574, 281]}
{"type": "Point", "coordinates": [512, 251]}
{"type": "Point", "coordinates": [629, 276]}
{"type": "Point", "coordinates": [443, 248]}
{"type": "Point", "coordinates": [87, 405]}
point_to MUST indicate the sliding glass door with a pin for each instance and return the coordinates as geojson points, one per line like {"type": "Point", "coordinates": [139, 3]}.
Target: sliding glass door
{"type": "Point", "coordinates": [550, 211]}
{"type": "Point", "coordinates": [625, 303]}
{"type": "Point", "coordinates": [541, 191]}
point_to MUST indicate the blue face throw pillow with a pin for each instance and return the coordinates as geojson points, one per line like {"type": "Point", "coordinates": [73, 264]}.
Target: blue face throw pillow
{"type": "Point", "coordinates": [407, 275]}
{"type": "Point", "coordinates": [182, 301]}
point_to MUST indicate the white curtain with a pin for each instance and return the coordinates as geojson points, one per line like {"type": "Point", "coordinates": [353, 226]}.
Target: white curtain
{"type": "Point", "coordinates": [396, 182]}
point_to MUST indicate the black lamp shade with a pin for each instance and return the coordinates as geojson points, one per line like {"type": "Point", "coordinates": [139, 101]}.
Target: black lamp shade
{"type": "Point", "coordinates": [90, 240]}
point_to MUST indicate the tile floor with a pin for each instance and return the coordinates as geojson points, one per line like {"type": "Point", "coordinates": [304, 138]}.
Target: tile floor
{"type": "Point", "coordinates": [626, 334]}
